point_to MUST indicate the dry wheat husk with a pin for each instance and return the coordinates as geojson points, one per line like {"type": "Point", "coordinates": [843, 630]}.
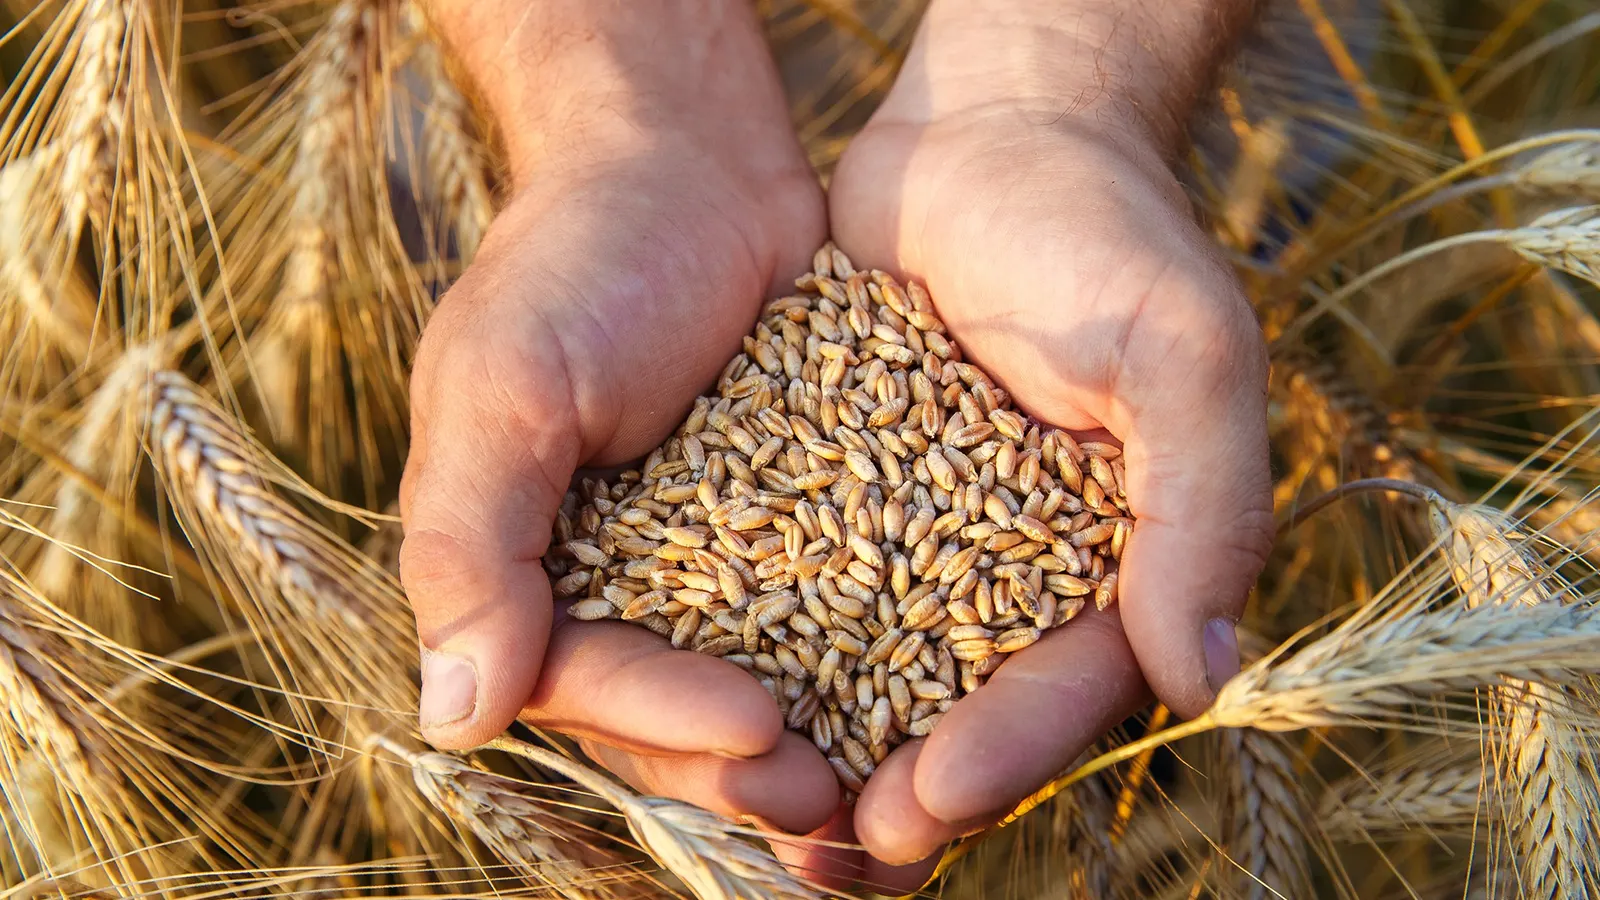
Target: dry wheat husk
{"type": "Point", "coordinates": [857, 516]}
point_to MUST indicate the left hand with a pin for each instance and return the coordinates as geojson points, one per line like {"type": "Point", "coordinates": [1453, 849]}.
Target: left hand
{"type": "Point", "coordinates": [1061, 253]}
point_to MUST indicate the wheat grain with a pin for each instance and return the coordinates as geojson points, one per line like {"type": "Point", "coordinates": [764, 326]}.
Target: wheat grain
{"type": "Point", "coordinates": [1550, 775]}
{"type": "Point", "coordinates": [856, 500]}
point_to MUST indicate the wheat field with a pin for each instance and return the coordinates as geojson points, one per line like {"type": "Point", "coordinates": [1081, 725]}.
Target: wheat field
{"type": "Point", "coordinates": [227, 224]}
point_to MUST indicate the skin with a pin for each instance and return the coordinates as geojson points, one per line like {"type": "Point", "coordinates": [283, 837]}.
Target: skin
{"type": "Point", "coordinates": [1020, 167]}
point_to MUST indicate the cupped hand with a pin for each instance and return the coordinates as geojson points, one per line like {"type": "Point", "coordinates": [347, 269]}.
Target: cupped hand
{"type": "Point", "coordinates": [1063, 257]}
{"type": "Point", "coordinates": [608, 294]}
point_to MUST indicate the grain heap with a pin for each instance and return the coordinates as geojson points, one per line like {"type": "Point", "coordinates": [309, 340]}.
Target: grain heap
{"type": "Point", "coordinates": [858, 517]}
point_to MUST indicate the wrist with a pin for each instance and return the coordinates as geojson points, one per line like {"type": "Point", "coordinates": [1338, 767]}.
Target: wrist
{"type": "Point", "coordinates": [570, 82]}
{"type": "Point", "coordinates": [1130, 70]}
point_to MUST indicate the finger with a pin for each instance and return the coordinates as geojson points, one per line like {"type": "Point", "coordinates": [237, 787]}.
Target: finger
{"type": "Point", "coordinates": [890, 821]}
{"type": "Point", "coordinates": [480, 499]}
{"type": "Point", "coordinates": [1035, 715]}
{"type": "Point", "coordinates": [892, 881]}
{"type": "Point", "coordinates": [816, 857]}
{"type": "Point", "coordinates": [627, 687]}
{"type": "Point", "coordinates": [791, 788]}
{"type": "Point", "coordinates": [1200, 490]}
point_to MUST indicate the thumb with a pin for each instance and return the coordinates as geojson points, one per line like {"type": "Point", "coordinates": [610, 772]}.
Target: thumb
{"type": "Point", "coordinates": [1199, 485]}
{"type": "Point", "coordinates": [481, 490]}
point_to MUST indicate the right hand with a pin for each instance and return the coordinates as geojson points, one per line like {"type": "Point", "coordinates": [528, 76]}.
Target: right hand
{"type": "Point", "coordinates": [608, 294]}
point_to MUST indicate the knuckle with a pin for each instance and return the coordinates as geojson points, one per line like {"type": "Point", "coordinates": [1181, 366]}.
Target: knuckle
{"type": "Point", "coordinates": [434, 567]}
{"type": "Point", "coordinates": [1248, 538]}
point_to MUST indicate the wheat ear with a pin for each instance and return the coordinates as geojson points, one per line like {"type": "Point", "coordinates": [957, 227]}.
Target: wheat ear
{"type": "Point", "coordinates": [1571, 167]}
{"type": "Point", "coordinates": [281, 568]}
{"type": "Point", "coordinates": [529, 834]}
{"type": "Point", "coordinates": [94, 120]}
{"type": "Point", "coordinates": [117, 774]}
{"type": "Point", "coordinates": [302, 318]}
{"type": "Point", "coordinates": [1547, 768]}
{"type": "Point", "coordinates": [50, 297]}
{"type": "Point", "coordinates": [1264, 812]}
{"type": "Point", "coordinates": [455, 162]}
{"type": "Point", "coordinates": [104, 448]}
{"type": "Point", "coordinates": [703, 849]}
{"type": "Point", "coordinates": [1437, 790]}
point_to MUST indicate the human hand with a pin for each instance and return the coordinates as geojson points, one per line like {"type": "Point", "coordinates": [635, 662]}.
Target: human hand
{"type": "Point", "coordinates": [1061, 253]}
{"type": "Point", "coordinates": [656, 204]}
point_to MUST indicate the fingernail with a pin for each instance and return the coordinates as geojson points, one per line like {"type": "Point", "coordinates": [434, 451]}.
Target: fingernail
{"type": "Point", "coordinates": [449, 689]}
{"type": "Point", "coordinates": [1222, 652]}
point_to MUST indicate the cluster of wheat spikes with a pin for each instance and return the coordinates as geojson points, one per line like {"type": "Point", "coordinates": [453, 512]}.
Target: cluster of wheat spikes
{"type": "Point", "coordinates": [224, 227]}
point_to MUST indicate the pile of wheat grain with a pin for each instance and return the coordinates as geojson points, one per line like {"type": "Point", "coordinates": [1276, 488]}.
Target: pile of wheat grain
{"type": "Point", "coordinates": [857, 517]}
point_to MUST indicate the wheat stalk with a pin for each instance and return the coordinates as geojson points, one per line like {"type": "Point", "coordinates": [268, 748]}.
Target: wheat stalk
{"type": "Point", "coordinates": [1547, 765]}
